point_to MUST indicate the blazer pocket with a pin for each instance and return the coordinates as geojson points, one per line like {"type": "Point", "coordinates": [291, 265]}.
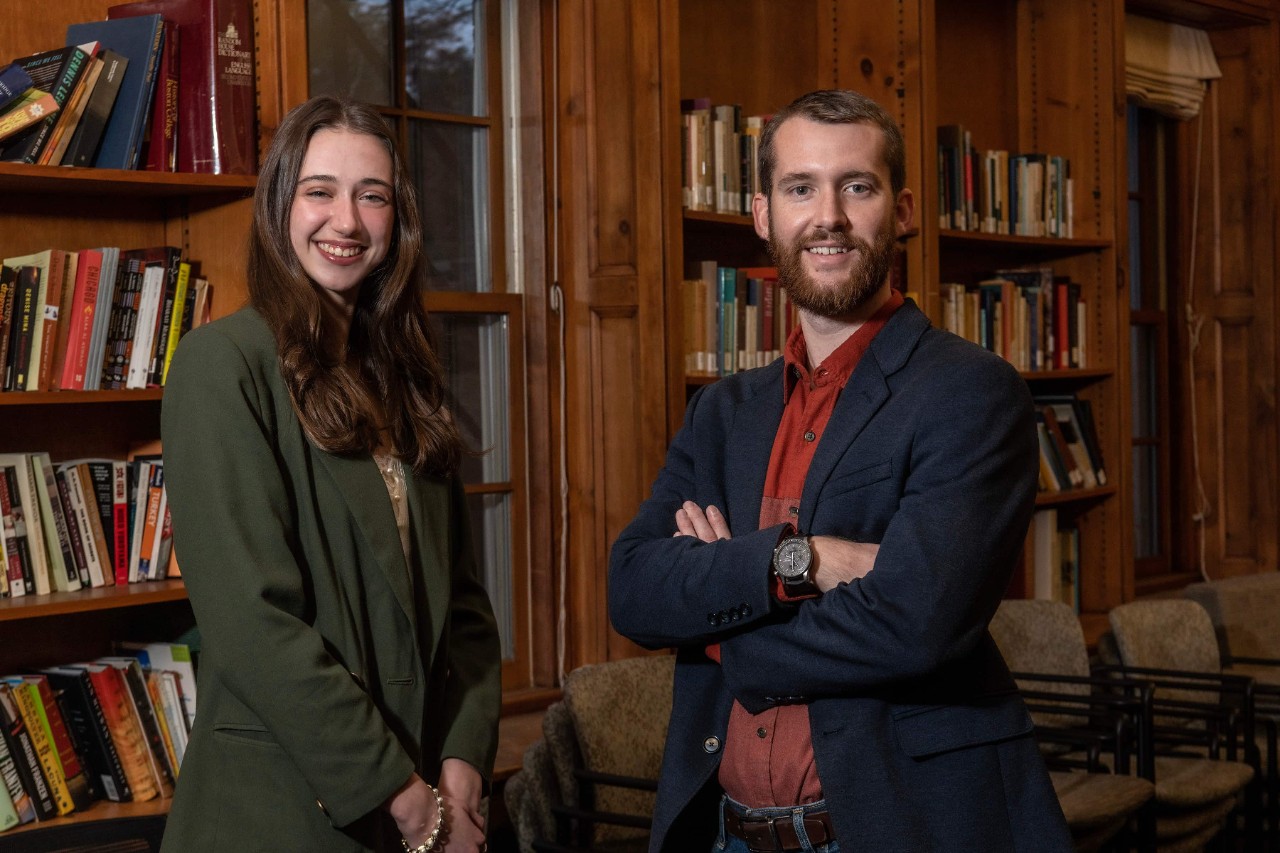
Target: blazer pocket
{"type": "Point", "coordinates": [930, 730]}
{"type": "Point", "coordinates": [864, 476]}
{"type": "Point", "coordinates": [244, 733]}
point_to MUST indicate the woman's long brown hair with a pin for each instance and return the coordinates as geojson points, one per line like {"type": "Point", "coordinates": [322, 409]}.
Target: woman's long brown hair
{"type": "Point", "coordinates": [389, 378]}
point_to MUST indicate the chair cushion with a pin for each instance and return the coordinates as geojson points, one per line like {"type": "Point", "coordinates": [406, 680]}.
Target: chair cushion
{"type": "Point", "coordinates": [1175, 830]}
{"type": "Point", "coordinates": [1193, 782]}
{"type": "Point", "coordinates": [1093, 800]}
{"type": "Point", "coordinates": [1243, 610]}
{"type": "Point", "coordinates": [1043, 637]}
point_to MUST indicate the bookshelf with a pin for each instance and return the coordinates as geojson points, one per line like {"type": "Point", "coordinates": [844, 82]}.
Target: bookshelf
{"type": "Point", "coordinates": [1047, 74]}
{"type": "Point", "coordinates": [73, 208]}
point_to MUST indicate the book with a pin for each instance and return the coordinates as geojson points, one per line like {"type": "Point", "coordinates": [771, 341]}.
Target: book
{"type": "Point", "coordinates": [83, 145]}
{"type": "Point", "coordinates": [164, 321]}
{"type": "Point", "coordinates": [27, 111]}
{"type": "Point", "coordinates": [26, 519]}
{"type": "Point", "coordinates": [78, 321]}
{"type": "Point", "coordinates": [179, 321]}
{"type": "Point", "coordinates": [217, 112]}
{"type": "Point", "coordinates": [15, 804]}
{"type": "Point", "coordinates": [63, 574]}
{"type": "Point", "coordinates": [94, 569]}
{"type": "Point", "coordinates": [159, 150]}
{"type": "Point", "coordinates": [74, 524]}
{"type": "Point", "coordinates": [55, 726]}
{"type": "Point", "coordinates": [1075, 475]}
{"type": "Point", "coordinates": [14, 82]}
{"type": "Point", "coordinates": [54, 285]}
{"type": "Point", "coordinates": [102, 313]}
{"type": "Point", "coordinates": [18, 572]}
{"type": "Point", "coordinates": [125, 728]}
{"type": "Point", "coordinates": [151, 508]}
{"type": "Point", "coordinates": [170, 657]}
{"type": "Point", "coordinates": [56, 71]}
{"type": "Point", "coordinates": [33, 276]}
{"type": "Point", "coordinates": [30, 707]}
{"type": "Point", "coordinates": [136, 687]}
{"type": "Point", "coordinates": [88, 725]}
{"type": "Point", "coordinates": [26, 759]}
{"type": "Point", "coordinates": [139, 40]}
{"type": "Point", "coordinates": [153, 285]}
{"type": "Point", "coordinates": [1064, 413]}
{"type": "Point", "coordinates": [72, 111]}
{"type": "Point", "coordinates": [8, 290]}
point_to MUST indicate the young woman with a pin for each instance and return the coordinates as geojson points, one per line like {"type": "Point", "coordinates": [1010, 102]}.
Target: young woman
{"type": "Point", "coordinates": [349, 675]}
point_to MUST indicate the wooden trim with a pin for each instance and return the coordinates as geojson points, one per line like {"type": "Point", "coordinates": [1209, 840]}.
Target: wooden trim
{"type": "Point", "coordinates": [97, 598]}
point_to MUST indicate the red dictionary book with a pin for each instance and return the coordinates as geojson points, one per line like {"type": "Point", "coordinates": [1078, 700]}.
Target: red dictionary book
{"type": "Point", "coordinates": [216, 110]}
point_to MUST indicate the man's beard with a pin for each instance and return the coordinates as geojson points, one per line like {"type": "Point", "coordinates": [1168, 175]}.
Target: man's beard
{"type": "Point", "coordinates": [865, 279]}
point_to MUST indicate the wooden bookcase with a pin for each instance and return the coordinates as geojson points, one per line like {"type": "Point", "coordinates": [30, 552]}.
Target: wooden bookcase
{"type": "Point", "coordinates": [207, 216]}
{"type": "Point", "coordinates": [1023, 75]}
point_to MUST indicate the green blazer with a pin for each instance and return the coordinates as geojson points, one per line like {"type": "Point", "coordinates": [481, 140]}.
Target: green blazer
{"type": "Point", "coordinates": [330, 668]}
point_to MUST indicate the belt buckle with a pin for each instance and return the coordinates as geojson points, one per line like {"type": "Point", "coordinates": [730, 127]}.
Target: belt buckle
{"type": "Point", "coordinates": [761, 835]}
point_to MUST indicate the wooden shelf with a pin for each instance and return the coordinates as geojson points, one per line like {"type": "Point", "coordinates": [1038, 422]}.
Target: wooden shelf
{"type": "Point", "coordinates": [70, 180]}
{"type": "Point", "coordinates": [1081, 376]}
{"type": "Point", "coordinates": [45, 398]}
{"type": "Point", "coordinates": [101, 810]}
{"type": "Point", "coordinates": [98, 598]}
{"type": "Point", "coordinates": [1073, 496]}
{"type": "Point", "coordinates": [1044, 247]}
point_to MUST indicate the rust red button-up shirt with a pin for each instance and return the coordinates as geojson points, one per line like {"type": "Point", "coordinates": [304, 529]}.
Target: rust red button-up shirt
{"type": "Point", "coordinates": [768, 757]}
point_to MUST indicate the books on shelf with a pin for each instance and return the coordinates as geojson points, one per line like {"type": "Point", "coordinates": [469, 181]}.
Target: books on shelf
{"type": "Point", "coordinates": [1031, 317]}
{"type": "Point", "coordinates": [998, 192]}
{"type": "Point", "coordinates": [57, 71]}
{"type": "Point", "coordinates": [70, 320]}
{"type": "Point", "coordinates": [82, 523]}
{"type": "Point", "coordinates": [720, 150]}
{"type": "Point", "coordinates": [734, 318]}
{"type": "Point", "coordinates": [114, 728]}
{"type": "Point", "coordinates": [1070, 452]}
{"type": "Point", "coordinates": [1055, 556]}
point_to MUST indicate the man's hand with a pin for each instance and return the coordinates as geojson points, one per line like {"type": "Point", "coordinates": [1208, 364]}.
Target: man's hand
{"type": "Point", "coordinates": [837, 560]}
{"type": "Point", "coordinates": [708, 526]}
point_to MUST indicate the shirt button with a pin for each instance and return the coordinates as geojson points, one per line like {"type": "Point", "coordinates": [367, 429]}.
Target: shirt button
{"type": "Point", "coordinates": [809, 436]}
{"type": "Point", "coordinates": [795, 510]}
{"type": "Point", "coordinates": [760, 732]}
{"type": "Point", "coordinates": [711, 744]}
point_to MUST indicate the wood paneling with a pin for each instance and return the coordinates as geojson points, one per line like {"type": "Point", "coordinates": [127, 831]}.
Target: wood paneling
{"type": "Point", "coordinates": [609, 163]}
{"type": "Point", "coordinates": [1230, 268]}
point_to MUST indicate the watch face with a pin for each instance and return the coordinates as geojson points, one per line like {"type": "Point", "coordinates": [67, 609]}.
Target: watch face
{"type": "Point", "coordinates": [792, 558]}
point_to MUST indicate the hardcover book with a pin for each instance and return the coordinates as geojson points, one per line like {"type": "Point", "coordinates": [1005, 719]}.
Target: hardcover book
{"type": "Point", "coordinates": [139, 40]}
{"type": "Point", "coordinates": [30, 707]}
{"type": "Point", "coordinates": [83, 147]}
{"type": "Point", "coordinates": [217, 114]}
{"type": "Point", "coordinates": [88, 725]}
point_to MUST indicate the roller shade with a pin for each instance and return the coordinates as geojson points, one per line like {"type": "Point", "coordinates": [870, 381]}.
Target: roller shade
{"type": "Point", "coordinates": [1167, 66]}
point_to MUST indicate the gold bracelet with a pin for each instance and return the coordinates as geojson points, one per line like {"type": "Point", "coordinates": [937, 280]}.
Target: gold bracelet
{"type": "Point", "coordinates": [430, 843]}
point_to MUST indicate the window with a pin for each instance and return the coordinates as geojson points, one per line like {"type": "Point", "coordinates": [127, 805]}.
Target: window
{"type": "Point", "coordinates": [1158, 378]}
{"type": "Point", "coordinates": [436, 70]}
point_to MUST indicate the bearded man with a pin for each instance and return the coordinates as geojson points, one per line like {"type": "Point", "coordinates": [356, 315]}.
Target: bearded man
{"type": "Point", "coordinates": [828, 541]}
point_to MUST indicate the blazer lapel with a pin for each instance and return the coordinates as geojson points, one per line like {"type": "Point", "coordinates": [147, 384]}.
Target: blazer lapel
{"type": "Point", "coordinates": [750, 443]}
{"type": "Point", "coordinates": [863, 396]}
{"type": "Point", "coordinates": [365, 492]}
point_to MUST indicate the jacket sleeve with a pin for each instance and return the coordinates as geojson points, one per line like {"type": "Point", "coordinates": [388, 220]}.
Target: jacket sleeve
{"type": "Point", "coordinates": [667, 590]}
{"type": "Point", "coordinates": [944, 562]}
{"type": "Point", "coordinates": [473, 687]}
{"type": "Point", "coordinates": [237, 540]}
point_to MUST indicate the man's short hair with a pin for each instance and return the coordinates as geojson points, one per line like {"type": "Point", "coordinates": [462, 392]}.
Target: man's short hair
{"type": "Point", "coordinates": [837, 106]}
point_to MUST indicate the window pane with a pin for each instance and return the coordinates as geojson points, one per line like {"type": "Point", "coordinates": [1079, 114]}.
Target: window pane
{"type": "Point", "coordinates": [1135, 150]}
{"type": "Point", "coordinates": [473, 348]}
{"type": "Point", "coordinates": [444, 56]}
{"type": "Point", "coordinates": [451, 166]}
{"type": "Point", "coordinates": [1135, 254]}
{"type": "Point", "coordinates": [1142, 354]}
{"type": "Point", "coordinates": [350, 50]}
{"type": "Point", "coordinates": [1146, 515]}
{"type": "Point", "coordinates": [491, 532]}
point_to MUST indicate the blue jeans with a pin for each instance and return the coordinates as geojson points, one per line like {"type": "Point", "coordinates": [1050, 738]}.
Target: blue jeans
{"type": "Point", "coordinates": [729, 844]}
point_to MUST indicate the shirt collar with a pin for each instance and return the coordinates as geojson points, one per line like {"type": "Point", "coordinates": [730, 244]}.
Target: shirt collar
{"type": "Point", "coordinates": [838, 366]}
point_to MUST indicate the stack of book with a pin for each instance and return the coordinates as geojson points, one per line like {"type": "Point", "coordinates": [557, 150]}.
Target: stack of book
{"type": "Point", "coordinates": [1031, 317]}
{"type": "Point", "coordinates": [114, 729]}
{"type": "Point", "coordinates": [735, 318]}
{"type": "Point", "coordinates": [96, 319]}
{"type": "Point", "coordinates": [82, 523]}
{"type": "Point", "coordinates": [1070, 453]}
{"type": "Point", "coordinates": [164, 85]}
{"type": "Point", "coordinates": [1001, 193]}
{"type": "Point", "coordinates": [720, 149]}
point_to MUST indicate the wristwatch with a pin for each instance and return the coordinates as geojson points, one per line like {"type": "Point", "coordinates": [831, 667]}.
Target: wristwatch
{"type": "Point", "coordinates": [792, 560]}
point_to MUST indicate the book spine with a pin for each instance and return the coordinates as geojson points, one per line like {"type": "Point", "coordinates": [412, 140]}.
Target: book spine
{"type": "Point", "coordinates": [88, 727]}
{"type": "Point", "coordinates": [17, 575]}
{"type": "Point", "coordinates": [62, 563]}
{"type": "Point", "coordinates": [64, 744]}
{"type": "Point", "coordinates": [24, 325]}
{"type": "Point", "coordinates": [32, 712]}
{"type": "Point", "coordinates": [18, 799]}
{"type": "Point", "coordinates": [25, 756]}
{"type": "Point", "coordinates": [125, 729]}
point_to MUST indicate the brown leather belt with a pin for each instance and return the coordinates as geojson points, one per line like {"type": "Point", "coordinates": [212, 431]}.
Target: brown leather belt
{"type": "Point", "coordinates": [774, 834]}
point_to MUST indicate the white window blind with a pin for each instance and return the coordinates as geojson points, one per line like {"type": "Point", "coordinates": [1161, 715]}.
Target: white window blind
{"type": "Point", "coordinates": [1167, 66]}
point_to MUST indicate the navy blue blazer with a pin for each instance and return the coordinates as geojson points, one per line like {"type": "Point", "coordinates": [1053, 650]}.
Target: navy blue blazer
{"type": "Point", "coordinates": [920, 738]}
